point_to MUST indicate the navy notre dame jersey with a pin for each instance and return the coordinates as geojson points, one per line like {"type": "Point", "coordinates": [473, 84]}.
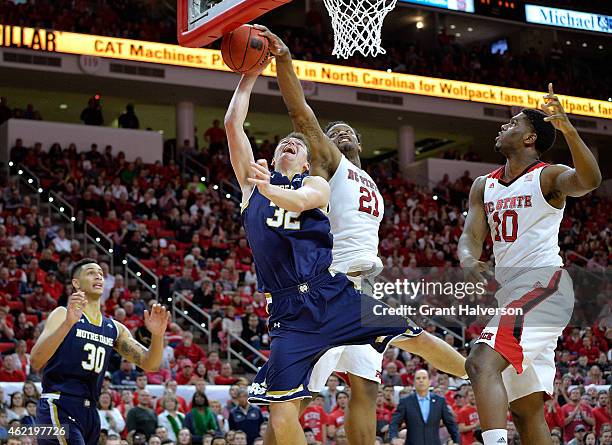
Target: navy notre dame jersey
{"type": "Point", "coordinates": [288, 248]}
{"type": "Point", "coordinates": [78, 366]}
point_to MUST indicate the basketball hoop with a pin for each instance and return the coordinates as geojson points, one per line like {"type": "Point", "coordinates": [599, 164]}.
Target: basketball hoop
{"type": "Point", "coordinates": [358, 25]}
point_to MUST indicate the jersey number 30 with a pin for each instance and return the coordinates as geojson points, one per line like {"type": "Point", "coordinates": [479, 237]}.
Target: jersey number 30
{"type": "Point", "coordinates": [283, 218]}
{"type": "Point", "coordinates": [509, 226]}
{"type": "Point", "coordinates": [95, 358]}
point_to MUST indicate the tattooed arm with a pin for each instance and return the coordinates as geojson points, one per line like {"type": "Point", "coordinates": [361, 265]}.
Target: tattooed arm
{"type": "Point", "coordinates": [130, 349]}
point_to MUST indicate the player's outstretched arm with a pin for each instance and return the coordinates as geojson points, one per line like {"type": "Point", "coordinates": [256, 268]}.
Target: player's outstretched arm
{"type": "Point", "coordinates": [474, 233]}
{"type": "Point", "coordinates": [57, 326]}
{"type": "Point", "coordinates": [585, 176]}
{"type": "Point", "coordinates": [126, 345]}
{"type": "Point", "coordinates": [325, 155]}
{"type": "Point", "coordinates": [314, 193]}
{"type": "Point", "coordinates": [241, 153]}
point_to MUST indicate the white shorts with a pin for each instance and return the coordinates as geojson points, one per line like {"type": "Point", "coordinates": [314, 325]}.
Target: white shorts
{"type": "Point", "coordinates": [360, 360]}
{"type": "Point", "coordinates": [528, 341]}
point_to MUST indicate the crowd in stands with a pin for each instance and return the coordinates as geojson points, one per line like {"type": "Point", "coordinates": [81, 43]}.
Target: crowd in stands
{"type": "Point", "coordinates": [188, 232]}
{"type": "Point", "coordinates": [445, 58]}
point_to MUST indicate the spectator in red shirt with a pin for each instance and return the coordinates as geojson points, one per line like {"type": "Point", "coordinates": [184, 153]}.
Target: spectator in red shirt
{"type": "Point", "coordinates": [336, 417]}
{"type": "Point", "coordinates": [553, 415]}
{"type": "Point", "coordinates": [573, 342]}
{"type": "Point", "coordinates": [39, 302]}
{"type": "Point", "coordinates": [590, 350]}
{"type": "Point", "coordinates": [11, 371]}
{"type": "Point", "coordinates": [215, 136]}
{"type": "Point", "coordinates": [53, 287]}
{"type": "Point", "coordinates": [213, 362]}
{"type": "Point", "coordinates": [390, 356]}
{"type": "Point", "coordinates": [576, 412]}
{"type": "Point", "coordinates": [188, 349]}
{"type": "Point", "coordinates": [186, 376]}
{"type": "Point", "coordinates": [601, 413]}
{"type": "Point", "coordinates": [389, 393]}
{"type": "Point", "coordinates": [315, 418]}
{"type": "Point", "coordinates": [226, 377]}
{"type": "Point", "coordinates": [383, 414]}
{"type": "Point", "coordinates": [132, 321]}
{"type": "Point", "coordinates": [467, 419]}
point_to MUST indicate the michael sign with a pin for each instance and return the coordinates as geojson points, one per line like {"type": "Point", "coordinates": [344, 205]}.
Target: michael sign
{"type": "Point", "coordinates": [568, 19]}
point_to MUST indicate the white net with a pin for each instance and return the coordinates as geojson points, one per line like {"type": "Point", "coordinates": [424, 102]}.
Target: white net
{"type": "Point", "coordinates": [357, 25]}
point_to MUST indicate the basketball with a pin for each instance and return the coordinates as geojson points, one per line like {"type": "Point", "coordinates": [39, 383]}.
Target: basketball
{"type": "Point", "coordinates": [244, 49]}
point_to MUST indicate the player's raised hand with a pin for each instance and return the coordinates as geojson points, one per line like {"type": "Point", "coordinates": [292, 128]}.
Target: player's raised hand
{"type": "Point", "coordinates": [259, 175]}
{"type": "Point", "coordinates": [277, 46]}
{"type": "Point", "coordinates": [75, 306]}
{"type": "Point", "coordinates": [556, 114]}
{"type": "Point", "coordinates": [156, 321]}
{"type": "Point", "coordinates": [259, 70]}
{"type": "Point", "coordinates": [475, 271]}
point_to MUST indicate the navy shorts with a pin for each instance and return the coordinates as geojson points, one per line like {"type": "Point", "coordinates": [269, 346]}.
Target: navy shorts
{"type": "Point", "coordinates": [307, 320]}
{"type": "Point", "coordinates": [78, 416]}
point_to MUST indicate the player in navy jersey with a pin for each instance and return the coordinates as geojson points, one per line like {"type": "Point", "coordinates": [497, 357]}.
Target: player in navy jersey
{"type": "Point", "coordinates": [74, 350]}
{"type": "Point", "coordinates": [311, 308]}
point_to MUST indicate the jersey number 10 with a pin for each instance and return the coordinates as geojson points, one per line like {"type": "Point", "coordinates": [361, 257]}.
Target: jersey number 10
{"type": "Point", "coordinates": [508, 218]}
{"type": "Point", "coordinates": [95, 358]}
{"type": "Point", "coordinates": [365, 202]}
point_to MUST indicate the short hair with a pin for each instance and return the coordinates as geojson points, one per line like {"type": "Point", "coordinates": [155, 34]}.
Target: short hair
{"type": "Point", "coordinates": [301, 137]}
{"type": "Point", "coordinates": [334, 123]}
{"type": "Point", "coordinates": [76, 268]}
{"type": "Point", "coordinates": [545, 131]}
{"type": "Point", "coordinates": [339, 393]}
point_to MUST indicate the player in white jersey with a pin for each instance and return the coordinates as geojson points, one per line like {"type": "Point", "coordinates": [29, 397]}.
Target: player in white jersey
{"type": "Point", "coordinates": [356, 210]}
{"type": "Point", "coordinates": [521, 205]}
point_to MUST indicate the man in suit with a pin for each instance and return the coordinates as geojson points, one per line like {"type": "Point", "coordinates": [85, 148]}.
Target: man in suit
{"type": "Point", "coordinates": [422, 412]}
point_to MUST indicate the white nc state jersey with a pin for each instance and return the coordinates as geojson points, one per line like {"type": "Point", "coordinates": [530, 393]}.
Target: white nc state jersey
{"type": "Point", "coordinates": [356, 210]}
{"type": "Point", "coordinates": [524, 226]}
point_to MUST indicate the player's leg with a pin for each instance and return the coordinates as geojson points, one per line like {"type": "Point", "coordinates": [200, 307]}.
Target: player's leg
{"type": "Point", "coordinates": [269, 437]}
{"type": "Point", "coordinates": [528, 416]}
{"type": "Point", "coordinates": [484, 367]}
{"type": "Point", "coordinates": [284, 419]}
{"type": "Point", "coordinates": [51, 412]}
{"type": "Point", "coordinates": [360, 419]}
{"type": "Point", "coordinates": [435, 351]}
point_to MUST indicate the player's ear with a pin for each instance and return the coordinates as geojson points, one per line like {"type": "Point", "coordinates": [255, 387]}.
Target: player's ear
{"type": "Point", "coordinates": [530, 138]}
{"type": "Point", "coordinates": [306, 167]}
{"type": "Point", "coordinates": [75, 284]}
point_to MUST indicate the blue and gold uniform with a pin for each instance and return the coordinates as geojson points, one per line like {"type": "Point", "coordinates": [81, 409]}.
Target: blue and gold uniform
{"type": "Point", "coordinates": [311, 309]}
{"type": "Point", "coordinates": [72, 380]}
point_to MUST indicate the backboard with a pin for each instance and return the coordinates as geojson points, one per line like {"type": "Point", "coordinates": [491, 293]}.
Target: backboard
{"type": "Point", "coordinates": [200, 22]}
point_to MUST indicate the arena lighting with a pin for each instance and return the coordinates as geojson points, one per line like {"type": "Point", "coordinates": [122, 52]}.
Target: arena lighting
{"type": "Point", "coordinates": [97, 240]}
{"type": "Point", "coordinates": [457, 34]}
{"type": "Point", "coordinates": [203, 179]}
{"type": "Point", "coordinates": [203, 325]}
{"type": "Point", "coordinates": [247, 124]}
{"type": "Point", "coordinates": [72, 218]}
{"type": "Point", "coordinates": [452, 26]}
{"type": "Point", "coordinates": [110, 250]}
{"type": "Point", "coordinates": [185, 312]}
{"type": "Point", "coordinates": [568, 42]}
{"type": "Point", "coordinates": [153, 286]}
{"type": "Point", "coordinates": [470, 29]}
{"type": "Point", "coordinates": [138, 274]}
{"type": "Point", "coordinates": [63, 106]}
{"type": "Point", "coordinates": [40, 190]}
{"type": "Point", "coordinates": [464, 213]}
{"type": "Point", "coordinates": [20, 172]}
{"type": "Point", "coordinates": [435, 197]}
{"type": "Point", "coordinates": [169, 298]}
{"type": "Point", "coordinates": [228, 196]}
{"type": "Point", "coordinates": [389, 70]}
{"type": "Point", "coordinates": [30, 181]}
{"type": "Point", "coordinates": [420, 25]}
{"type": "Point", "coordinates": [215, 187]}
{"type": "Point", "coordinates": [11, 162]}
{"type": "Point", "coordinates": [50, 198]}
{"type": "Point", "coordinates": [600, 47]}
{"type": "Point", "coordinates": [584, 45]}
{"type": "Point", "coordinates": [61, 209]}
{"type": "Point", "coordinates": [124, 262]}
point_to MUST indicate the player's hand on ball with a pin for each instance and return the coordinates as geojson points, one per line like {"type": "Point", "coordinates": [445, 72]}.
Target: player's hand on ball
{"type": "Point", "coordinates": [556, 114]}
{"type": "Point", "coordinates": [260, 70]}
{"type": "Point", "coordinates": [75, 306]}
{"type": "Point", "coordinates": [277, 46]}
{"type": "Point", "coordinates": [157, 319]}
{"type": "Point", "coordinates": [260, 175]}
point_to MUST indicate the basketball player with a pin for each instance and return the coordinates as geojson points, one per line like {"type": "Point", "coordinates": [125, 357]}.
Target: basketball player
{"type": "Point", "coordinates": [521, 205]}
{"type": "Point", "coordinates": [356, 210]}
{"type": "Point", "coordinates": [312, 308]}
{"type": "Point", "coordinates": [75, 348]}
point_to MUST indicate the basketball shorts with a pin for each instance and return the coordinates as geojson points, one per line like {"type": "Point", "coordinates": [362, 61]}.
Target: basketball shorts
{"type": "Point", "coordinates": [307, 320]}
{"type": "Point", "coordinates": [360, 360]}
{"type": "Point", "coordinates": [538, 306]}
{"type": "Point", "coordinates": [77, 415]}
